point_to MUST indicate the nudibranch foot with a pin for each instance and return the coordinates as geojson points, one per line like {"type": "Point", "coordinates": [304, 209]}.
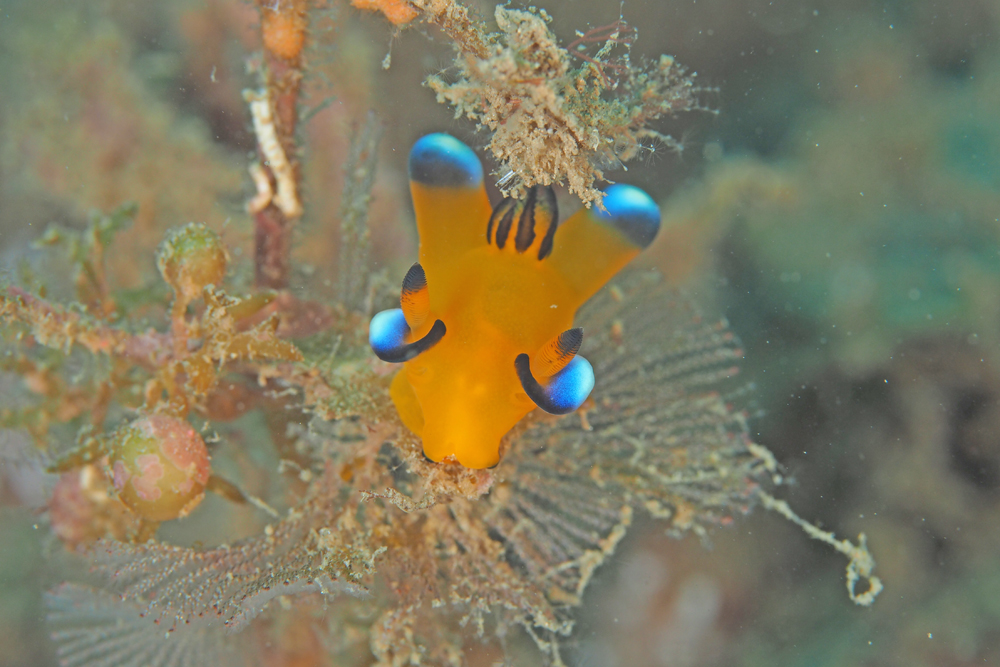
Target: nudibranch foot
{"type": "Point", "coordinates": [499, 285]}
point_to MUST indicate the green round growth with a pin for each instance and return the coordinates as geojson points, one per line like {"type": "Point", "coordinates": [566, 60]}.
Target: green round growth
{"type": "Point", "coordinates": [159, 466]}
{"type": "Point", "coordinates": [190, 258]}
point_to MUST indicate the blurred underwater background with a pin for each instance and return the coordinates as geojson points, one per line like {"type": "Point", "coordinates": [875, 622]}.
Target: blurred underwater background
{"type": "Point", "coordinates": [835, 199]}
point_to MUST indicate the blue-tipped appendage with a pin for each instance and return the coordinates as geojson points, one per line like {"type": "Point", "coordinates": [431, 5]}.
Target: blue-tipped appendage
{"type": "Point", "coordinates": [562, 393]}
{"type": "Point", "coordinates": [570, 387]}
{"type": "Point", "coordinates": [441, 160]}
{"type": "Point", "coordinates": [387, 334]}
{"type": "Point", "coordinates": [632, 212]}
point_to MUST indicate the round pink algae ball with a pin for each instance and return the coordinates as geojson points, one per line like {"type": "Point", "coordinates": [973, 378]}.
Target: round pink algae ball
{"type": "Point", "coordinates": [159, 466]}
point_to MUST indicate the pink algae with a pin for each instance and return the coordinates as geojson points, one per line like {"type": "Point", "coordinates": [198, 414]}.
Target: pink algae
{"type": "Point", "coordinates": [182, 446]}
{"type": "Point", "coordinates": [160, 467]}
{"type": "Point", "coordinates": [120, 475]}
{"type": "Point", "coordinates": [150, 474]}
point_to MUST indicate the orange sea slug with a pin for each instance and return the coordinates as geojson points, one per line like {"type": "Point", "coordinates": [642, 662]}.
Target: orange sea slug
{"type": "Point", "coordinates": [485, 330]}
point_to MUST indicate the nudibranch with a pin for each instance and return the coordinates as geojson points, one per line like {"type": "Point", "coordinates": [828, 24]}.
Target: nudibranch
{"type": "Point", "coordinates": [485, 332]}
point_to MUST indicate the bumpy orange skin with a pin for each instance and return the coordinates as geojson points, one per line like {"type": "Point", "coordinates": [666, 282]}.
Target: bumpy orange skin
{"type": "Point", "coordinates": [284, 32]}
{"type": "Point", "coordinates": [159, 467]}
{"type": "Point", "coordinates": [399, 12]}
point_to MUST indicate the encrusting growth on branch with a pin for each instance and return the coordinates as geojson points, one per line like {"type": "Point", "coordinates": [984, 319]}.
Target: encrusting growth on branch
{"type": "Point", "coordinates": [398, 12]}
{"type": "Point", "coordinates": [286, 198]}
{"type": "Point", "coordinates": [284, 29]}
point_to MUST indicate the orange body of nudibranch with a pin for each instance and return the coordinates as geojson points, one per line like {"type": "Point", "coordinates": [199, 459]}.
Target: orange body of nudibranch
{"type": "Point", "coordinates": [485, 330]}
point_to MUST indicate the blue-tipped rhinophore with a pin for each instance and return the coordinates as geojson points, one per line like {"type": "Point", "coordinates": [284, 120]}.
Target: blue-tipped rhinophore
{"type": "Point", "coordinates": [562, 393]}
{"type": "Point", "coordinates": [631, 211]}
{"type": "Point", "coordinates": [441, 160]}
